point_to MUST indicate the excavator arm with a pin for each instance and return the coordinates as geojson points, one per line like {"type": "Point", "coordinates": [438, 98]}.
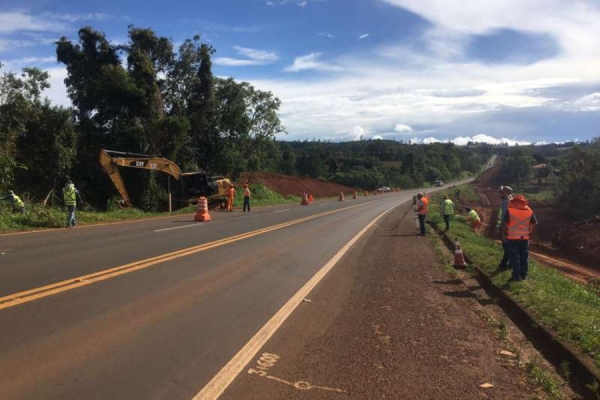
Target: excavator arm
{"type": "Point", "coordinates": [112, 160]}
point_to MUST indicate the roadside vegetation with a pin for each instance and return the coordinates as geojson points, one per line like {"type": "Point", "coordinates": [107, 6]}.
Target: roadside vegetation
{"type": "Point", "coordinates": [38, 216]}
{"type": "Point", "coordinates": [568, 308]}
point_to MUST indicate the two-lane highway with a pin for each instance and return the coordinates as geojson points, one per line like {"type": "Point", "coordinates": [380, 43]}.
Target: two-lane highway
{"type": "Point", "coordinates": [155, 309]}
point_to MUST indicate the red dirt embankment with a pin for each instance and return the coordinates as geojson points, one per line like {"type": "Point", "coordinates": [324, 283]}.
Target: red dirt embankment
{"type": "Point", "coordinates": [287, 185]}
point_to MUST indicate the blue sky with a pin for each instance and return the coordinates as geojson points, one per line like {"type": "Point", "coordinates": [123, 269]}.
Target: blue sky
{"type": "Point", "coordinates": [426, 70]}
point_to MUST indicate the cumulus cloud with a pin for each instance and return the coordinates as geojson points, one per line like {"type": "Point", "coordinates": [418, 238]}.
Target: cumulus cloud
{"type": "Point", "coordinates": [480, 138]}
{"type": "Point", "coordinates": [253, 57]}
{"type": "Point", "coordinates": [311, 61]}
{"type": "Point", "coordinates": [402, 128]}
{"type": "Point", "coordinates": [377, 137]}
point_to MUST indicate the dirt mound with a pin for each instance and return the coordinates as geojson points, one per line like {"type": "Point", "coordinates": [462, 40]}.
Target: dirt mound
{"type": "Point", "coordinates": [297, 185]}
{"type": "Point", "coordinates": [581, 242]}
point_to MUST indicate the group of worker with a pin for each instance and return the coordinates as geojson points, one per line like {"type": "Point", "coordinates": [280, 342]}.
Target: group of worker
{"type": "Point", "coordinates": [70, 196]}
{"type": "Point", "coordinates": [231, 197]}
{"type": "Point", "coordinates": [516, 223]}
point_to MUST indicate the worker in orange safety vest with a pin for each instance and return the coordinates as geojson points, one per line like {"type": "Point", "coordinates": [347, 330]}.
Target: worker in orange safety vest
{"type": "Point", "coordinates": [518, 226]}
{"type": "Point", "coordinates": [230, 197]}
{"type": "Point", "coordinates": [422, 210]}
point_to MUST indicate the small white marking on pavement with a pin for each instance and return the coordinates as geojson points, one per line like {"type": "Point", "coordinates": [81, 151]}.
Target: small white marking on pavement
{"type": "Point", "coordinates": [179, 227]}
{"type": "Point", "coordinates": [278, 211]}
{"type": "Point", "coordinates": [217, 385]}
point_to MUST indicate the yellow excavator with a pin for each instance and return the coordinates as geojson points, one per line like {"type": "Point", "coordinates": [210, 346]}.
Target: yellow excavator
{"type": "Point", "coordinates": [192, 185]}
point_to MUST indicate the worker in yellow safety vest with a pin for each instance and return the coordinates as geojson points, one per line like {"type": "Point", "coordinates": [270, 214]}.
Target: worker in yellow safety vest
{"type": "Point", "coordinates": [15, 201]}
{"type": "Point", "coordinates": [473, 219]}
{"type": "Point", "coordinates": [518, 226]}
{"type": "Point", "coordinates": [447, 211]}
{"type": "Point", "coordinates": [70, 195]}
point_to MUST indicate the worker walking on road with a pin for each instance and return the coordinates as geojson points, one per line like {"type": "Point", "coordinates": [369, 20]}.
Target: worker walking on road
{"type": "Point", "coordinates": [473, 219]}
{"type": "Point", "coordinates": [518, 226]}
{"type": "Point", "coordinates": [15, 201]}
{"type": "Point", "coordinates": [422, 210]}
{"type": "Point", "coordinates": [246, 197]}
{"type": "Point", "coordinates": [506, 196]}
{"type": "Point", "coordinates": [447, 211]}
{"type": "Point", "coordinates": [230, 197]}
{"type": "Point", "coordinates": [70, 195]}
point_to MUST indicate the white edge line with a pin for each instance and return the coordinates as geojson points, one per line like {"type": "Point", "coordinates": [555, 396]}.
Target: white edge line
{"type": "Point", "coordinates": [287, 209]}
{"type": "Point", "coordinates": [220, 382]}
{"type": "Point", "coordinates": [179, 227]}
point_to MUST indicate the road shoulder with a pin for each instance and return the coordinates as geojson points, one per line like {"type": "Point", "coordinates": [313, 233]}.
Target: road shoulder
{"type": "Point", "coordinates": [387, 322]}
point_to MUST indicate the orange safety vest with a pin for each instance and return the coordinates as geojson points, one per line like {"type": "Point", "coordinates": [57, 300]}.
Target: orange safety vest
{"type": "Point", "coordinates": [519, 223]}
{"type": "Point", "coordinates": [231, 192]}
{"type": "Point", "coordinates": [425, 207]}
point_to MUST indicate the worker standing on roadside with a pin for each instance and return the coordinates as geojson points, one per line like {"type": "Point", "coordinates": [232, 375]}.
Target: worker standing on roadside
{"type": "Point", "coordinates": [15, 201]}
{"type": "Point", "coordinates": [246, 197]}
{"type": "Point", "coordinates": [230, 197]}
{"type": "Point", "coordinates": [447, 211]}
{"type": "Point", "coordinates": [70, 195]}
{"type": "Point", "coordinates": [506, 196]}
{"type": "Point", "coordinates": [473, 219]}
{"type": "Point", "coordinates": [422, 209]}
{"type": "Point", "coordinates": [518, 226]}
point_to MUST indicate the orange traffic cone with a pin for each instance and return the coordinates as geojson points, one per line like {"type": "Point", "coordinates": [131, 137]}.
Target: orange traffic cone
{"type": "Point", "coordinates": [310, 198]}
{"type": "Point", "coordinates": [202, 214]}
{"type": "Point", "coordinates": [459, 258]}
{"type": "Point", "coordinates": [342, 196]}
{"type": "Point", "coordinates": [304, 201]}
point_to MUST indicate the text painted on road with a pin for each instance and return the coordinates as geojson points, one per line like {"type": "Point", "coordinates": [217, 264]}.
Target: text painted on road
{"type": "Point", "coordinates": [268, 360]}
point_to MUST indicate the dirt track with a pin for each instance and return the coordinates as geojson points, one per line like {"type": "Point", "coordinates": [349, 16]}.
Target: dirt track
{"type": "Point", "coordinates": [386, 323]}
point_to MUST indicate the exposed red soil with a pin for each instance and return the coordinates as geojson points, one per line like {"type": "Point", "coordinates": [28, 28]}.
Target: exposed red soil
{"type": "Point", "coordinates": [556, 243]}
{"type": "Point", "coordinates": [287, 185]}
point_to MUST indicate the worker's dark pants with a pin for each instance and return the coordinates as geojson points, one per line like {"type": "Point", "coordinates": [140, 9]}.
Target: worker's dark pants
{"type": "Point", "coordinates": [247, 203]}
{"type": "Point", "coordinates": [518, 252]}
{"type": "Point", "coordinates": [422, 223]}
{"type": "Point", "coordinates": [504, 263]}
{"type": "Point", "coordinates": [447, 221]}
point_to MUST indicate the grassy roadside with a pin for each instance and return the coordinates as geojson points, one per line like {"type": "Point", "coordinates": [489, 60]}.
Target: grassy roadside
{"type": "Point", "coordinates": [40, 217]}
{"type": "Point", "coordinates": [570, 309]}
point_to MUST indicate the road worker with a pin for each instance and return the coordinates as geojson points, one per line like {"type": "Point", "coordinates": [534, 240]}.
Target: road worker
{"type": "Point", "coordinates": [506, 196]}
{"type": "Point", "coordinates": [518, 226]}
{"type": "Point", "coordinates": [447, 211]}
{"type": "Point", "coordinates": [15, 201]}
{"type": "Point", "coordinates": [70, 195]}
{"type": "Point", "coordinates": [422, 210]}
{"type": "Point", "coordinates": [473, 219]}
{"type": "Point", "coordinates": [246, 197]}
{"type": "Point", "coordinates": [230, 197]}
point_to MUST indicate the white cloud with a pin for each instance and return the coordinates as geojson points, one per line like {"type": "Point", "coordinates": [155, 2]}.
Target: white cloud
{"type": "Point", "coordinates": [326, 34]}
{"type": "Point", "coordinates": [358, 132]}
{"type": "Point", "coordinates": [589, 103]}
{"type": "Point", "coordinates": [260, 55]}
{"type": "Point", "coordinates": [300, 3]}
{"type": "Point", "coordinates": [311, 61]}
{"type": "Point", "coordinates": [17, 21]}
{"type": "Point", "coordinates": [77, 17]}
{"type": "Point", "coordinates": [254, 57]}
{"type": "Point", "coordinates": [19, 63]}
{"type": "Point", "coordinates": [401, 128]}
{"type": "Point", "coordinates": [377, 137]}
{"type": "Point", "coordinates": [58, 91]}
{"type": "Point", "coordinates": [364, 36]}
{"type": "Point", "coordinates": [480, 138]}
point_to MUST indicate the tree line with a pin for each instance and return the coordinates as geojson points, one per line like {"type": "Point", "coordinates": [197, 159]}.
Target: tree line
{"type": "Point", "coordinates": [147, 97]}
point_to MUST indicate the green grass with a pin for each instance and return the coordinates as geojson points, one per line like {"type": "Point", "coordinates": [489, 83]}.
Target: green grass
{"type": "Point", "coordinates": [542, 378]}
{"type": "Point", "coordinates": [263, 196]}
{"type": "Point", "coordinates": [570, 309]}
{"type": "Point", "coordinates": [39, 217]}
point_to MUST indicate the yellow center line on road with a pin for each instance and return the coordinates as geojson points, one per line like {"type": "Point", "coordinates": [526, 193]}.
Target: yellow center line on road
{"type": "Point", "coordinates": [85, 280]}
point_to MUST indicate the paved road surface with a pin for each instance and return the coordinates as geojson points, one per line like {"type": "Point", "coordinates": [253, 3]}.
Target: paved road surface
{"type": "Point", "coordinates": [154, 309]}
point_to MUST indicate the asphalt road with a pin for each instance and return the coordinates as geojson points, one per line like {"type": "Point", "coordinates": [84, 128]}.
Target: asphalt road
{"type": "Point", "coordinates": [154, 309]}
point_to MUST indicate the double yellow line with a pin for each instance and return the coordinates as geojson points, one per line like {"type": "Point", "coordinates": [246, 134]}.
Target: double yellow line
{"type": "Point", "coordinates": [26, 296]}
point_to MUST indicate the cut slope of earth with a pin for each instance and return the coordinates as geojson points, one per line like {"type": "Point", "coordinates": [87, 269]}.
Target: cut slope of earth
{"type": "Point", "coordinates": [287, 185]}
